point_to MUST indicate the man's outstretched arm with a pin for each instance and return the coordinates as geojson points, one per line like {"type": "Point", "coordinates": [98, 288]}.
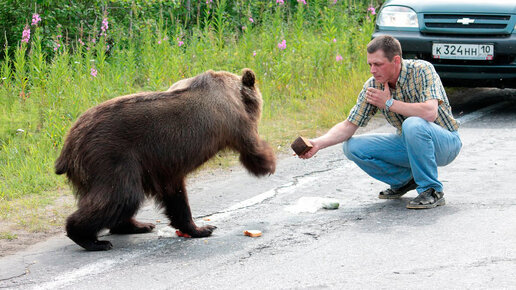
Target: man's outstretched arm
{"type": "Point", "coordinates": [337, 134]}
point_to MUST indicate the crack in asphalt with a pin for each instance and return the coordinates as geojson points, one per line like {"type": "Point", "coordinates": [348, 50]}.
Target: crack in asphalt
{"type": "Point", "coordinates": [27, 271]}
{"type": "Point", "coordinates": [267, 195]}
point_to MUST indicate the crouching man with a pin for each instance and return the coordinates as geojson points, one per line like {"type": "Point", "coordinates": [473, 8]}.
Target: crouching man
{"type": "Point", "coordinates": [410, 95]}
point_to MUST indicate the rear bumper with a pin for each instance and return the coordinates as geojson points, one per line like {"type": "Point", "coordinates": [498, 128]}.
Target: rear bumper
{"type": "Point", "coordinates": [499, 72]}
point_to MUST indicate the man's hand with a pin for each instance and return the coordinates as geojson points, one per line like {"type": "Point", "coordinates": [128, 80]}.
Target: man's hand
{"type": "Point", "coordinates": [310, 153]}
{"type": "Point", "coordinates": [378, 97]}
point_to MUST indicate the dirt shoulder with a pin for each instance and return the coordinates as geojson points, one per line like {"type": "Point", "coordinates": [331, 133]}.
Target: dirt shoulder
{"type": "Point", "coordinates": [32, 219]}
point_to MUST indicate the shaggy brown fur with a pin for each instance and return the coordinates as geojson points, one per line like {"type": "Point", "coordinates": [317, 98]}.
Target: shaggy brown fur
{"type": "Point", "coordinates": [145, 144]}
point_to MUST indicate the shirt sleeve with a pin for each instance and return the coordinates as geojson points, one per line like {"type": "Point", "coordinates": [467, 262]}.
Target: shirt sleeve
{"type": "Point", "coordinates": [362, 112]}
{"type": "Point", "coordinates": [430, 84]}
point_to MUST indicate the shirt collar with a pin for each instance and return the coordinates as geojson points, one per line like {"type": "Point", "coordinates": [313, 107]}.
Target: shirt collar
{"type": "Point", "coordinates": [403, 73]}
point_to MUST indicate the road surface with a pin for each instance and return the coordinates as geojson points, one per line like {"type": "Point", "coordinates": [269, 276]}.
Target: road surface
{"type": "Point", "coordinates": [365, 243]}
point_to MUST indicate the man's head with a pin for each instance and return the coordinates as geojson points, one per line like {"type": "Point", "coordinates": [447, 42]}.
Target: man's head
{"type": "Point", "coordinates": [384, 58]}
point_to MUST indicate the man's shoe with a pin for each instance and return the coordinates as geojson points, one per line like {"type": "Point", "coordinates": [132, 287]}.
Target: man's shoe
{"type": "Point", "coordinates": [427, 199]}
{"type": "Point", "coordinates": [397, 193]}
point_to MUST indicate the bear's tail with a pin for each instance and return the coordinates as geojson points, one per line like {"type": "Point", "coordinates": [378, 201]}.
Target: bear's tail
{"type": "Point", "coordinates": [62, 165]}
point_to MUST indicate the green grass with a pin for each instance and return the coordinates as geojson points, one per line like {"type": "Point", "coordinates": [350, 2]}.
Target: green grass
{"type": "Point", "coordinates": [8, 236]}
{"type": "Point", "coordinates": [305, 89]}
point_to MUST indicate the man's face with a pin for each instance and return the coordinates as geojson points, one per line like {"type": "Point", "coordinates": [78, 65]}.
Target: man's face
{"type": "Point", "coordinates": [382, 69]}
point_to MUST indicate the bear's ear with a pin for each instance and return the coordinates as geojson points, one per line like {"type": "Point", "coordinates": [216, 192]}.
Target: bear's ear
{"type": "Point", "coordinates": [248, 77]}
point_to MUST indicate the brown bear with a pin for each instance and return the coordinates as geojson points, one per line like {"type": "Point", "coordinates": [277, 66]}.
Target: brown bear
{"type": "Point", "coordinates": [145, 144]}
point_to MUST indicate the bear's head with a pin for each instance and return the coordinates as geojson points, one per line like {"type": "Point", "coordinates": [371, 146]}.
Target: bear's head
{"type": "Point", "coordinates": [241, 87]}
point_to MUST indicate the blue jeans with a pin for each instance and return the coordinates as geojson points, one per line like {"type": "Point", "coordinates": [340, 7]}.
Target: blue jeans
{"type": "Point", "coordinates": [416, 153]}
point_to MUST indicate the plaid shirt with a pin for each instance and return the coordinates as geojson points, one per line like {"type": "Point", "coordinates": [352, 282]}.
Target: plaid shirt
{"type": "Point", "coordinates": [417, 83]}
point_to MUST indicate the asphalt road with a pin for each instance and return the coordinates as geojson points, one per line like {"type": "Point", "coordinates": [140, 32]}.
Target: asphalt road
{"type": "Point", "coordinates": [366, 243]}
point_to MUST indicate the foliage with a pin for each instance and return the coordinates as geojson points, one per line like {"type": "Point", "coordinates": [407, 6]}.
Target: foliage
{"type": "Point", "coordinates": [309, 60]}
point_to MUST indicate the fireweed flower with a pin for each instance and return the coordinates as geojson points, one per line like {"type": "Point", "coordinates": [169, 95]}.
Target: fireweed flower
{"type": "Point", "coordinates": [180, 43]}
{"type": "Point", "coordinates": [35, 19]}
{"type": "Point", "coordinates": [334, 1]}
{"type": "Point", "coordinates": [282, 45]}
{"type": "Point", "coordinates": [58, 45]}
{"type": "Point", "coordinates": [372, 10]}
{"type": "Point", "coordinates": [104, 27]}
{"type": "Point", "coordinates": [26, 34]}
{"type": "Point", "coordinates": [280, 2]}
{"type": "Point", "coordinates": [93, 72]}
{"type": "Point", "coordinates": [251, 19]}
{"type": "Point", "coordinates": [80, 41]}
{"type": "Point", "coordinates": [254, 53]}
{"type": "Point", "coordinates": [338, 57]}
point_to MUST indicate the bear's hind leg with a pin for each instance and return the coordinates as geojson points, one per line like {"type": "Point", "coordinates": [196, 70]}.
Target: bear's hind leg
{"type": "Point", "coordinates": [84, 232]}
{"type": "Point", "coordinates": [175, 201]}
{"type": "Point", "coordinates": [132, 226]}
{"type": "Point", "coordinates": [112, 201]}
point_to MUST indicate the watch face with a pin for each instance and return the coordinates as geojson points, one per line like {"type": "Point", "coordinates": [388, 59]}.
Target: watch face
{"type": "Point", "coordinates": [389, 102]}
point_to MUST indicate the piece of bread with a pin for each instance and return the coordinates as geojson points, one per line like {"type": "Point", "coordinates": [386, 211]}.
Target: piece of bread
{"type": "Point", "coordinates": [253, 233]}
{"type": "Point", "coordinates": [301, 145]}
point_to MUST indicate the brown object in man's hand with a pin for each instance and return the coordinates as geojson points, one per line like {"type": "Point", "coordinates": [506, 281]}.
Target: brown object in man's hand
{"type": "Point", "coordinates": [301, 145]}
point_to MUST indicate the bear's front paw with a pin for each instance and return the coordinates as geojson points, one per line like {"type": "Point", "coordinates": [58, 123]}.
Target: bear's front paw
{"type": "Point", "coordinates": [200, 232]}
{"type": "Point", "coordinates": [260, 163]}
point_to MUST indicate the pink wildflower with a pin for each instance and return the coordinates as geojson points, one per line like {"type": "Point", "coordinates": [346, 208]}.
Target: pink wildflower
{"type": "Point", "coordinates": [80, 41]}
{"type": "Point", "coordinates": [93, 72]}
{"type": "Point", "coordinates": [58, 45]}
{"type": "Point", "coordinates": [372, 10]}
{"type": "Point", "coordinates": [26, 34]}
{"type": "Point", "coordinates": [302, 1]}
{"type": "Point", "coordinates": [334, 1]}
{"type": "Point", "coordinates": [104, 27]}
{"type": "Point", "coordinates": [335, 40]}
{"type": "Point", "coordinates": [251, 19]}
{"type": "Point", "coordinates": [159, 41]}
{"type": "Point", "coordinates": [254, 53]}
{"type": "Point", "coordinates": [35, 19]}
{"type": "Point", "coordinates": [338, 57]}
{"type": "Point", "coordinates": [280, 2]}
{"type": "Point", "coordinates": [209, 1]}
{"type": "Point", "coordinates": [180, 43]}
{"type": "Point", "coordinates": [282, 45]}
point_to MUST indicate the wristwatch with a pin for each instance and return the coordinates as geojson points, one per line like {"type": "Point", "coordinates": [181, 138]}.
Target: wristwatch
{"type": "Point", "coordinates": [388, 104]}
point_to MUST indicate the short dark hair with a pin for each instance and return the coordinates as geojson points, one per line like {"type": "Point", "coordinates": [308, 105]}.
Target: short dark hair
{"type": "Point", "coordinates": [388, 44]}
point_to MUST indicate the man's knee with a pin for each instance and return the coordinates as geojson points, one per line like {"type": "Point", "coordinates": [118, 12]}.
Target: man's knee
{"type": "Point", "coordinates": [413, 125]}
{"type": "Point", "coordinates": [349, 148]}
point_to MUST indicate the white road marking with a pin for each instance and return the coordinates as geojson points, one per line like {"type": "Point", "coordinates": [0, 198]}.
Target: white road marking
{"type": "Point", "coordinates": [75, 275]}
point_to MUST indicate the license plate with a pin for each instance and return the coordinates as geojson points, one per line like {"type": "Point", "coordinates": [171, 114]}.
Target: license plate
{"type": "Point", "coordinates": [463, 51]}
